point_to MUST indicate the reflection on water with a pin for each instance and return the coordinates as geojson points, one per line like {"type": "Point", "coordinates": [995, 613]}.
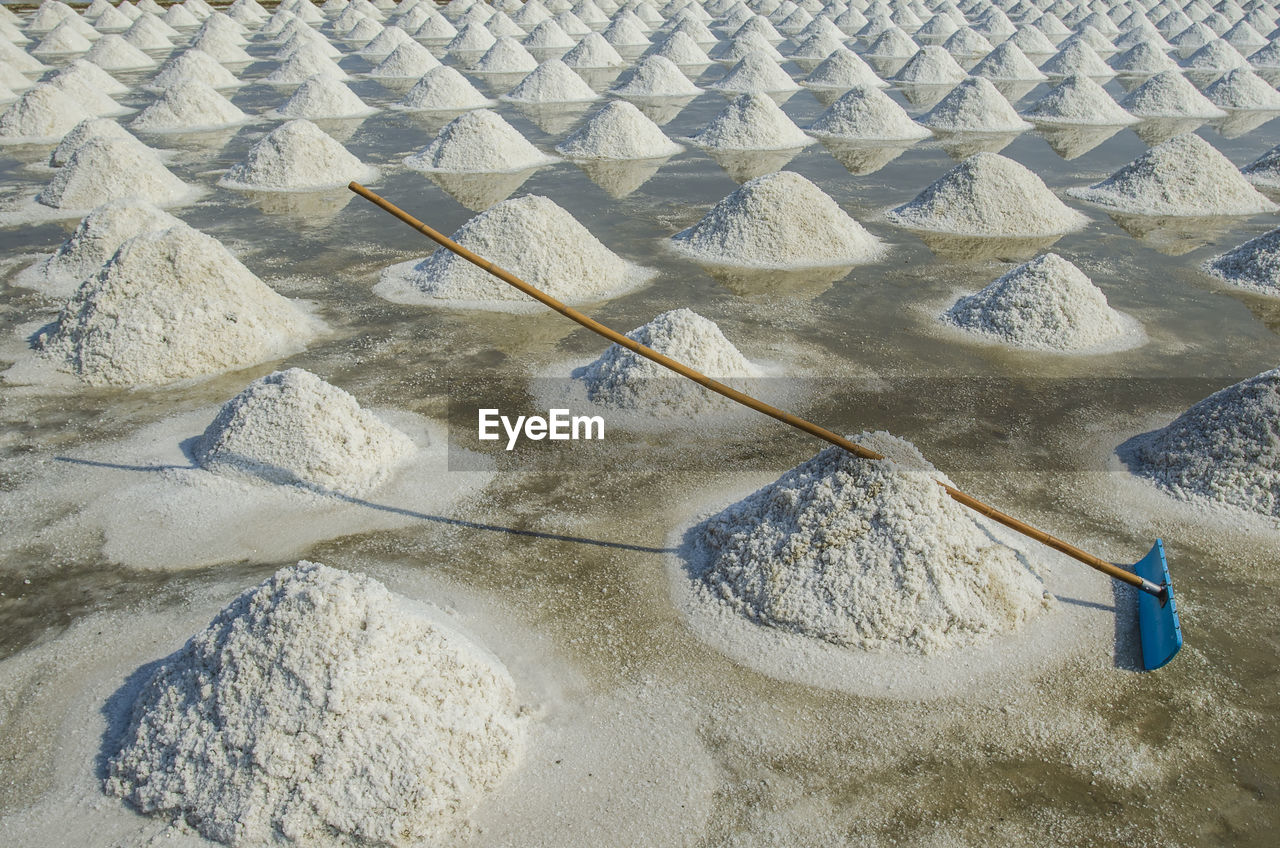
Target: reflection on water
{"type": "Point", "coordinates": [1014, 90]}
{"type": "Point", "coordinates": [660, 110]}
{"type": "Point", "coordinates": [925, 96]}
{"type": "Point", "coordinates": [798, 283]}
{"type": "Point", "coordinates": [304, 208]}
{"type": "Point", "coordinates": [983, 248]}
{"type": "Point", "coordinates": [1170, 235]}
{"type": "Point", "coordinates": [963, 145]}
{"type": "Point", "coordinates": [554, 118]}
{"type": "Point", "coordinates": [862, 159]}
{"type": "Point", "coordinates": [743, 165]}
{"type": "Point", "coordinates": [1239, 123]}
{"type": "Point", "coordinates": [1073, 142]}
{"type": "Point", "coordinates": [620, 178]}
{"type": "Point", "coordinates": [478, 192]}
{"type": "Point", "coordinates": [1157, 130]}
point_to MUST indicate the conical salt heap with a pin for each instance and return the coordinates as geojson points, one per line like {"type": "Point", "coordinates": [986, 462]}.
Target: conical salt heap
{"type": "Point", "coordinates": [506, 56]}
{"type": "Point", "coordinates": [1265, 170]}
{"type": "Point", "coordinates": [188, 106]}
{"type": "Point", "coordinates": [1217, 55]}
{"type": "Point", "coordinates": [549, 36]}
{"type": "Point", "coordinates": [751, 122]}
{"type": "Point", "coordinates": [42, 114]}
{"type": "Point", "coordinates": [113, 53]}
{"type": "Point", "coordinates": [303, 64]}
{"type": "Point", "coordinates": [297, 156]}
{"type": "Point", "coordinates": [841, 71]}
{"type": "Point", "coordinates": [1032, 41]}
{"type": "Point", "coordinates": [1224, 450]}
{"type": "Point", "coordinates": [148, 33]}
{"type": "Point", "coordinates": [930, 66]}
{"type": "Point", "coordinates": [655, 76]}
{"type": "Point", "coordinates": [893, 43]}
{"type": "Point", "coordinates": [751, 44]}
{"type": "Point", "coordinates": [678, 47]}
{"type": "Point", "coordinates": [81, 133]}
{"type": "Point", "coordinates": [322, 97]}
{"type": "Point", "coordinates": [443, 89]}
{"type": "Point", "coordinates": [478, 142]}
{"type": "Point", "coordinates": [623, 380]}
{"type": "Point", "coordinates": [869, 555]}
{"type": "Point", "coordinates": [779, 220]}
{"type": "Point", "coordinates": [193, 64]}
{"type": "Point", "coordinates": [594, 52]}
{"type": "Point", "coordinates": [1007, 62]}
{"type": "Point", "coordinates": [1243, 90]}
{"type": "Point", "coordinates": [408, 61]}
{"type": "Point", "coordinates": [292, 428]}
{"type": "Point", "coordinates": [865, 113]}
{"type": "Point", "coordinates": [262, 725]}
{"type": "Point", "coordinates": [1077, 57]}
{"type": "Point", "coordinates": [534, 239]}
{"type": "Point", "coordinates": [974, 105]}
{"type": "Point", "coordinates": [988, 195]}
{"type": "Point", "coordinates": [104, 169]}
{"type": "Point", "coordinates": [1184, 176]}
{"type": "Point", "coordinates": [618, 131]}
{"type": "Point", "coordinates": [1170, 95]}
{"type": "Point", "coordinates": [172, 305]}
{"type": "Point", "coordinates": [62, 39]}
{"type": "Point", "coordinates": [551, 82]}
{"type": "Point", "coordinates": [967, 42]}
{"type": "Point", "coordinates": [1254, 265]}
{"type": "Point", "coordinates": [754, 73]}
{"type": "Point", "coordinates": [1142, 58]}
{"type": "Point", "coordinates": [1078, 101]}
{"type": "Point", "coordinates": [1045, 304]}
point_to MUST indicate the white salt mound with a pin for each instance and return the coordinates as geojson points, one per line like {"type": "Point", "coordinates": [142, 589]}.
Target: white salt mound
{"type": "Point", "coordinates": [1078, 101]}
{"type": "Point", "coordinates": [931, 66]}
{"type": "Point", "coordinates": [779, 220]}
{"type": "Point", "coordinates": [303, 64]}
{"type": "Point", "coordinates": [1243, 90]}
{"type": "Point", "coordinates": [479, 141]}
{"type": "Point", "coordinates": [1170, 95]}
{"type": "Point", "coordinates": [443, 89]}
{"type": "Point", "coordinates": [656, 76]}
{"type": "Point", "coordinates": [974, 105]}
{"type": "Point", "coordinates": [1077, 57]}
{"type": "Point", "coordinates": [105, 168]}
{"type": "Point", "coordinates": [292, 428]}
{"type": "Point", "coordinates": [408, 61]}
{"type": "Point", "coordinates": [41, 114]}
{"type": "Point", "coordinates": [594, 52]}
{"type": "Point", "coordinates": [1007, 62]}
{"type": "Point", "coordinates": [265, 725]}
{"type": "Point", "coordinates": [1183, 176]}
{"type": "Point", "coordinates": [843, 70]}
{"type": "Point", "coordinates": [1265, 170]}
{"type": "Point", "coordinates": [624, 380]}
{"type": "Point", "coordinates": [186, 106]}
{"type": "Point", "coordinates": [752, 122]}
{"type": "Point", "coordinates": [193, 64]}
{"type": "Point", "coordinates": [171, 305]}
{"type": "Point", "coordinates": [322, 97]}
{"type": "Point", "coordinates": [1142, 58]}
{"type": "Point", "coordinates": [679, 47]}
{"type": "Point", "coordinates": [82, 132]}
{"type": "Point", "coordinates": [113, 53]}
{"type": "Point", "coordinates": [865, 113]}
{"type": "Point", "coordinates": [551, 82]}
{"type": "Point", "coordinates": [988, 195]}
{"type": "Point", "coordinates": [754, 73]}
{"type": "Point", "coordinates": [1045, 304]}
{"type": "Point", "coordinates": [297, 156]}
{"type": "Point", "coordinates": [1254, 265]}
{"type": "Point", "coordinates": [868, 555]}
{"type": "Point", "coordinates": [618, 131]}
{"type": "Point", "coordinates": [506, 56]}
{"type": "Point", "coordinates": [1224, 450]}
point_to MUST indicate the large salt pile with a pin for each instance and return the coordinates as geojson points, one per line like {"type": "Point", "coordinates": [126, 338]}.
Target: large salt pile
{"type": "Point", "coordinates": [751, 122]}
{"type": "Point", "coordinates": [19, 59]}
{"type": "Point", "coordinates": [1184, 176]}
{"type": "Point", "coordinates": [443, 89]}
{"type": "Point", "coordinates": [893, 43]}
{"type": "Point", "coordinates": [754, 73]}
{"type": "Point", "coordinates": [841, 71]}
{"type": "Point", "coordinates": [1078, 101]}
{"type": "Point", "coordinates": [193, 64]}
{"type": "Point", "coordinates": [475, 142]}
{"type": "Point", "coordinates": [105, 168]}
{"type": "Point", "coordinates": [1170, 95]}
{"type": "Point", "coordinates": [171, 305]}
{"type": "Point", "coordinates": [532, 238]}
{"type": "Point", "coordinates": [1265, 170]}
{"type": "Point", "coordinates": [656, 76]}
{"type": "Point", "coordinates": [625, 380]}
{"type": "Point", "coordinates": [618, 131]}
{"type": "Point", "coordinates": [865, 113]}
{"type": "Point", "coordinates": [64, 38]}
{"type": "Point", "coordinates": [551, 82]}
{"type": "Point", "coordinates": [322, 97]}
{"type": "Point", "coordinates": [1045, 304]}
{"type": "Point", "coordinates": [779, 220]}
{"type": "Point", "coordinates": [989, 195]}
{"type": "Point", "coordinates": [297, 156]}
{"type": "Point", "coordinates": [1243, 90]}
{"type": "Point", "coordinates": [1225, 450]}
{"type": "Point", "coordinates": [189, 106]}
{"type": "Point", "coordinates": [974, 105]}
{"type": "Point", "coordinates": [871, 555]}
{"type": "Point", "coordinates": [318, 705]}
{"type": "Point", "coordinates": [42, 114]}
{"type": "Point", "coordinates": [149, 33]}
{"type": "Point", "coordinates": [1254, 265]}
{"type": "Point", "coordinates": [930, 66]}
{"type": "Point", "coordinates": [292, 428]}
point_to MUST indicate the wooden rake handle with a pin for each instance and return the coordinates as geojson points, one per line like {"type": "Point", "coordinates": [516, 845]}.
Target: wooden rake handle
{"type": "Point", "coordinates": [747, 400]}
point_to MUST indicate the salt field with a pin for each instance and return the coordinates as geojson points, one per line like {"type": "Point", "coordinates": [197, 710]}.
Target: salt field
{"type": "Point", "coordinates": [267, 576]}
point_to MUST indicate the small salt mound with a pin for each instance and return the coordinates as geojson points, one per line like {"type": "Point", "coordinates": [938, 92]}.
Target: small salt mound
{"type": "Point", "coordinates": [263, 726]}
{"type": "Point", "coordinates": [221, 46]}
{"type": "Point", "coordinates": [292, 428]}
{"type": "Point", "coordinates": [991, 196]}
{"type": "Point", "coordinates": [618, 131]}
{"type": "Point", "coordinates": [1242, 89]}
{"type": "Point", "coordinates": [1265, 170]}
{"type": "Point", "coordinates": [1170, 95]}
{"type": "Point", "coordinates": [82, 132]}
{"type": "Point", "coordinates": [1142, 58]}
{"type": "Point", "coordinates": [19, 59]}
{"type": "Point", "coordinates": [865, 113]}
{"type": "Point", "coordinates": [322, 97]}
{"type": "Point", "coordinates": [1225, 449]}
{"type": "Point", "coordinates": [304, 38]}
{"type": "Point", "coordinates": [974, 105]}
{"type": "Point", "coordinates": [478, 142]}
{"type": "Point", "coordinates": [1183, 176]}
{"type": "Point", "coordinates": [534, 239]}
{"type": "Point", "coordinates": [656, 76]}
{"type": "Point", "coordinates": [297, 156]}
{"type": "Point", "coordinates": [1078, 101]}
{"type": "Point", "coordinates": [594, 52]}
{"type": "Point", "coordinates": [176, 16]}
{"type": "Point", "coordinates": [680, 49]}
{"type": "Point", "coordinates": [779, 220]}
{"type": "Point", "coordinates": [89, 84]}
{"type": "Point", "coordinates": [1007, 62]}
{"type": "Point", "coordinates": [64, 38]}
{"type": "Point", "coordinates": [506, 56]}
{"type": "Point", "coordinates": [752, 122]}
{"type": "Point", "coordinates": [105, 168]}
{"type": "Point", "coordinates": [1045, 304]}
{"type": "Point", "coordinates": [893, 43]}
{"type": "Point", "coordinates": [387, 40]}
{"type": "Point", "coordinates": [443, 89]}
{"type": "Point", "coordinates": [148, 33]}
{"type": "Point", "coordinates": [188, 106]}
{"type": "Point", "coordinates": [754, 73]}
{"type": "Point", "coordinates": [42, 114]}
{"type": "Point", "coordinates": [870, 555]}
{"type": "Point", "coordinates": [303, 64]}
{"type": "Point", "coordinates": [193, 64]}
{"type": "Point", "coordinates": [112, 20]}
{"type": "Point", "coordinates": [759, 26]}
{"type": "Point", "coordinates": [1268, 58]}
{"type": "Point", "coordinates": [113, 53]}
{"type": "Point", "coordinates": [363, 30]}
{"type": "Point", "coordinates": [625, 33]}
{"type": "Point", "coordinates": [821, 46]}
{"type": "Point", "coordinates": [1031, 40]}
{"type": "Point", "coordinates": [931, 66]}
{"type": "Point", "coordinates": [171, 305]}
{"type": "Point", "coordinates": [551, 82]}
{"type": "Point", "coordinates": [549, 35]}
{"type": "Point", "coordinates": [743, 46]}
{"type": "Point", "coordinates": [502, 25]}
{"type": "Point", "coordinates": [436, 28]}
{"type": "Point", "coordinates": [624, 380]}
{"type": "Point", "coordinates": [1243, 36]}
{"type": "Point", "coordinates": [1215, 56]}
{"type": "Point", "coordinates": [1077, 57]}
{"type": "Point", "coordinates": [1254, 265]}
{"type": "Point", "coordinates": [408, 61]}
{"type": "Point", "coordinates": [967, 42]}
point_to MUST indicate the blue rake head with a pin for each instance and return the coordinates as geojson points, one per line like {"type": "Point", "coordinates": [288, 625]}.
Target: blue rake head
{"type": "Point", "coordinates": [1158, 622]}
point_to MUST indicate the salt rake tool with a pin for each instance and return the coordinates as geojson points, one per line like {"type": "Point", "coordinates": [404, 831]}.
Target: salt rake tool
{"type": "Point", "coordinates": [1160, 631]}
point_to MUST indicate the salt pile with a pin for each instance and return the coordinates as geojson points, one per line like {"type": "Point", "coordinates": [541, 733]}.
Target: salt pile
{"type": "Point", "coordinates": [656, 76]}
{"type": "Point", "coordinates": [187, 106]}
{"type": "Point", "coordinates": [149, 33]}
{"type": "Point", "coordinates": [974, 105]}
{"type": "Point", "coordinates": [549, 36]}
{"type": "Point", "coordinates": [625, 33]}
{"type": "Point", "coordinates": [19, 59]}
{"type": "Point", "coordinates": [893, 43]}
{"type": "Point", "coordinates": [529, 236]}
{"type": "Point", "coordinates": [1242, 89]}
{"type": "Point", "coordinates": [64, 38]}
{"type": "Point", "coordinates": [506, 56]}
{"type": "Point", "coordinates": [222, 46]}
{"type": "Point", "coordinates": [478, 142]}
{"type": "Point", "coordinates": [91, 86]}
{"type": "Point", "coordinates": [1268, 58]}
{"type": "Point", "coordinates": [618, 131]}
{"type": "Point", "coordinates": [1077, 57]}
{"type": "Point", "coordinates": [680, 49]}
{"type": "Point", "coordinates": [1007, 62]}
{"type": "Point", "coordinates": [176, 16]}
{"type": "Point", "coordinates": [1217, 55]}
{"type": "Point", "coordinates": [594, 52]}
{"type": "Point", "coordinates": [752, 122]}
{"type": "Point", "coordinates": [113, 53]}
{"type": "Point", "coordinates": [1254, 265]}
{"type": "Point", "coordinates": [82, 132]}
{"type": "Point", "coordinates": [754, 73]}
{"type": "Point", "coordinates": [501, 25]}
{"type": "Point", "coordinates": [297, 156]}
{"type": "Point", "coordinates": [443, 89]}
{"type": "Point", "coordinates": [1265, 170]}
{"type": "Point", "coordinates": [743, 46]}
{"type": "Point", "coordinates": [1045, 304]}
{"type": "Point", "coordinates": [1028, 39]}
{"type": "Point", "coordinates": [821, 46]}
{"type": "Point", "coordinates": [841, 71]}
{"type": "Point", "coordinates": [387, 40]}
{"type": "Point", "coordinates": [1142, 58]}
{"type": "Point", "coordinates": [262, 726]}
{"type": "Point", "coordinates": [1183, 176]}
{"type": "Point", "coordinates": [322, 97]}
{"type": "Point", "coordinates": [988, 195]}
{"type": "Point", "coordinates": [779, 220]}
{"type": "Point", "coordinates": [1225, 450]}
{"type": "Point", "coordinates": [42, 114]}
{"type": "Point", "coordinates": [1078, 101]}
{"type": "Point", "coordinates": [551, 82]}
{"type": "Point", "coordinates": [171, 305]}
{"type": "Point", "coordinates": [967, 42]}
{"type": "Point", "coordinates": [436, 28]}
{"type": "Point", "coordinates": [105, 168]}
{"type": "Point", "coordinates": [624, 380]}
{"type": "Point", "coordinates": [408, 61]}
{"type": "Point", "coordinates": [193, 64]}
{"type": "Point", "coordinates": [931, 66]}
{"type": "Point", "coordinates": [303, 64]}
{"type": "Point", "coordinates": [865, 113]}
{"type": "Point", "coordinates": [869, 555]}
{"type": "Point", "coordinates": [1170, 95]}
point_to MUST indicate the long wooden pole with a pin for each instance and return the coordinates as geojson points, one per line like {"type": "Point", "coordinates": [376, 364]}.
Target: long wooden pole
{"type": "Point", "coordinates": [747, 400]}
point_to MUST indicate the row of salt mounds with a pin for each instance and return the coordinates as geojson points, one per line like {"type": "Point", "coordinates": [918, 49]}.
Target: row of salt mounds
{"type": "Point", "coordinates": [477, 142]}
{"type": "Point", "coordinates": [988, 195]}
{"type": "Point", "coordinates": [189, 105]}
{"type": "Point", "coordinates": [171, 305]}
{"type": "Point", "coordinates": [779, 220]}
{"type": "Point", "coordinates": [106, 168]}
{"type": "Point", "coordinates": [262, 725]}
{"type": "Point", "coordinates": [751, 122]}
{"type": "Point", "coordinates": [1254, 265]}
{"type": "Point", "coordinates": [297, 156]}
{"type": "Point", "coordinates": [1078, 101]}
{"type": "Point", "coordinates": [1045, 304]}
{"type": "Point", "coordinates": [618, 130]}
{"type": "Point", "coordinates": [442, 89]}
{"type": "Point", "coordinates": [974, 105]}
{"type": "Point", "coordinates": [865, 113]}
{"type": "Point", "coordinates": [322, 97]}
{"type": "Point", "coordinates": [869, 555]}
{"type": "Point", "coordinates": [625, 380]}
{"type": "Point", "coordinates": [292, 428]}
{"type": "Point", "coordinates": [1224, 450]}
{"type": "Point", "coordinates": [1184, 176]}
{"type": "Point", "coordinates": [532, 238]}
